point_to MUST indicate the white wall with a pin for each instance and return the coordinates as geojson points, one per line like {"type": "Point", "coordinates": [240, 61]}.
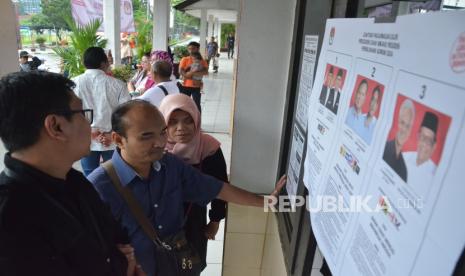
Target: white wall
{"type": "Point", "coordinates": [264, 45]}
{"type": "Point", "coordinates": [8, 44]}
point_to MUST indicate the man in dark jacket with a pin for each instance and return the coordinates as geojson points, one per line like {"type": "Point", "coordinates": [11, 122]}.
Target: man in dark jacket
{"type": "Point", "coordinates": [52, 221]}
{"type": "Point", "coordinates": [26, 65]}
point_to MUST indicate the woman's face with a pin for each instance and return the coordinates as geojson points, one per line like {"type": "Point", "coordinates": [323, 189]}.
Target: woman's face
{"type": "Point", "coordinates": [374, 103]}
{"type": "Point", "coordinates": [145, 63]}
{"type": "Point", "coordinates": [181, 127]}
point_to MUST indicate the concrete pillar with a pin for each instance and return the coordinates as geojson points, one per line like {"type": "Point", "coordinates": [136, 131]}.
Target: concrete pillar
{"type": "Point", "coordinates": [8, 43]}
{"type": "Point", "coordinates": [210, 26]}
{"type": "Point", "coordinates": [112, 27]}
{"type": "Point", "coordinates": [267, 98]}
{"type": "Point", "coordinates": [161, 20]}
{"type": "Point", "coordinates": [203, 30]}
{"type": "Point", "coordinates": [218, 32]}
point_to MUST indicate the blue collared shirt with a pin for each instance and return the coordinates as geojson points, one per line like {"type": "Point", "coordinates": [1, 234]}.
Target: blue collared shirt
{"type": "Point", "coordinates": [170, 184]}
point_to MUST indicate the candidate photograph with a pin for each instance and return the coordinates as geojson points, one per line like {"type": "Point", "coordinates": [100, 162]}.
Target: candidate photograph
{"type": "Point", "coordinates": [332, 86]}
{"type": "Point", "coordinates": [415, 143]}
{"type": "Point", "coordinates": [364, 107]}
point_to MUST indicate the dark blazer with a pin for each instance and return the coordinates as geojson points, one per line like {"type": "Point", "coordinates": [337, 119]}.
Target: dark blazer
{"type": "Point", "coordinates": [324, 92]}
{"type": "Point", "coordinates": [333, 104]}
{"type": "Point", "coordinates": [56, 227]}
{"type": "Point", "coordinates": [397, 164]}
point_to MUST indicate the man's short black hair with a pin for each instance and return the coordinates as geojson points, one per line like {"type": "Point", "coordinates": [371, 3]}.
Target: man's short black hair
{"type": "Point", "coordinates": [26, 98]}
{"type": "Point", "coordinates": [93, 57]}
{"type": "Point", "coordinates": [162, 68]}
{"type": "Point", "coordinates": [340, 73]}
{"type": "Point", "coordinates": [193, 43]}
{"type": "Point", "coordinates": [364, 81]}
{"type": "Point", "coordinates": [118, 123]}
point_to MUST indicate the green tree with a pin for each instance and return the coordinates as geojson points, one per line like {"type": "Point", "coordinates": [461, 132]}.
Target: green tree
{"type": "Point", "coordinates": [38, 22]}
{"type": "Point", "coordinates": [57, 11]}
{"type": "Point", "coordinates": [227, 29]}
{"type": "Point", "coordinates": [183, 21]}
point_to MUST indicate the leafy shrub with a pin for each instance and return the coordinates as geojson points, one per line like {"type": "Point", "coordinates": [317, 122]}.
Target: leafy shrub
{"type": "Point", "coordinates": [41, 40]}
{"type": "Point", "coordinates": [82, 37]}
{"type": "Point", "coordinates": [123, 73]}
{"type": "Point", "coordinates": [179, 52]}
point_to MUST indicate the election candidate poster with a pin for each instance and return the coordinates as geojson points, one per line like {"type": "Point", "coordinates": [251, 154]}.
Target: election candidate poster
{"type": "Point", "coordinates": [386, 145]}
{"type": "Point", "coordinates": [85, 11]}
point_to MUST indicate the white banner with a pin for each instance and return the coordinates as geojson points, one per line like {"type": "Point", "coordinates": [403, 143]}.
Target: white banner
{"type": "Point", "coordinates": [386, 130]}
{"type": "Point", "coordinates": [85, 11]}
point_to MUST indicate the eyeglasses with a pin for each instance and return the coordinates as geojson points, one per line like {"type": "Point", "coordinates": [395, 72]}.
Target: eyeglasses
{"type": "Point", "coordinates": [87, 113]}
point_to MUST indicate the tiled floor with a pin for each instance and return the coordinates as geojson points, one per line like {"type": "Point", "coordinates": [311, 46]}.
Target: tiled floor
{"type": "Point", "coordinates": [216, 118]}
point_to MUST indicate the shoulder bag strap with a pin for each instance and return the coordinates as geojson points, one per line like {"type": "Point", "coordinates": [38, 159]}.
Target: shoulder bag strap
{"type": "Point", "coordinates": [133, 205]}
{"type": "Point", "coordinates": [163, 89]}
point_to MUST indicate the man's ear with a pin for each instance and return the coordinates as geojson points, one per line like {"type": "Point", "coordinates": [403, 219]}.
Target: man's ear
{"type": "Point", "coordinates": [117, 139]}
{"type": "Point", "coordinates": [53, 127]}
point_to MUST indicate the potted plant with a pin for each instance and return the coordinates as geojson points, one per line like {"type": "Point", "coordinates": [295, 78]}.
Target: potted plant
{"type": "Point", "coordinates": [82, 37]}
{"type": "Point", "coordinates": [123, 73]}
{"type": "Point", "coordinates": [178, 53]}
{"type": "Point", "coordinates": [41, 41]}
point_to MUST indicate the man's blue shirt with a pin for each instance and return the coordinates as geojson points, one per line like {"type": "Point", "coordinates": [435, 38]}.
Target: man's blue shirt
{"type": "Point", "coordinates": [170, 184]}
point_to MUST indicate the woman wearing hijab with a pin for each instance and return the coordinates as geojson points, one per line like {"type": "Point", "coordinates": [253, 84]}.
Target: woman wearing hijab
{"type": "Point", "coordinates": [188, 142]}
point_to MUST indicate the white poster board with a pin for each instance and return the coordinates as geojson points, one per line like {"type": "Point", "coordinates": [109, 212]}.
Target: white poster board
{"type": "Point", "coordinates": [386, 130]}
{"type": "Point", "coordinates": [306, 78]}
{"type": "Point", "coordinates": [301, 115]}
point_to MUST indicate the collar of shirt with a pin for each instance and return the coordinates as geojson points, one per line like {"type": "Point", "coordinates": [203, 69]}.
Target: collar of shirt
{"type": "Point", "coordinates": [94, 72]}
{"type": "Point", "coordinates": [63, 190]}
{"type": "Point", "coordinates": [125, 173]}
{"type": "Point", "coordinates": [47, 182]}
{"type": "Point", "coordinates": [164, 82]}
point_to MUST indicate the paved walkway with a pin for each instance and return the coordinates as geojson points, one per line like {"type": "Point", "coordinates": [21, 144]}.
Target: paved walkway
{"type": "Point", "coordinates": [216, 121]}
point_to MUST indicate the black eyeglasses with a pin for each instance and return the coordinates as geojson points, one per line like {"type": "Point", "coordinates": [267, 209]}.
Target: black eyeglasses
{"type": "Point", "coordinates": [87, 113]}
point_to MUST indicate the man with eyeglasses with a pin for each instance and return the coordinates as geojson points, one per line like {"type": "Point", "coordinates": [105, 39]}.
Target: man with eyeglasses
{"type": "Point", "coordinates": [420, 167]}
{"type": "Point", "coordinates": [103, 94]}
{"type": "Point", "coordinates": [52, 222]}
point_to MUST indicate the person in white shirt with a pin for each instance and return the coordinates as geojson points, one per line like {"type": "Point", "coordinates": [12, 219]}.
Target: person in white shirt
{"type": "Point", "coordinates": [355, 118]}
{"type": "Point", "coordinates": [369, 122]}
{"type": "Point", "coordinates": [420, 167]}
{"type": "Point", "coordinates": [164, 86]}
{"type": "Point", "coordinates": [102, 94]}
{"type": "Point", "coordinates": [136, 85]}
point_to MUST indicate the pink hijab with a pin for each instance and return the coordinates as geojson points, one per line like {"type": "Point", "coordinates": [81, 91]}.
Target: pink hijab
{"type": "Point", "coordinates": [202, 145]}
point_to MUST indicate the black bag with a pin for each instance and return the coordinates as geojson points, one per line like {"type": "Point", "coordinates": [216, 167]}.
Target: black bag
{"type": "Point", "coordinates": [181, 260]}
{"type": "Point", "coordinates": [175, 255]}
